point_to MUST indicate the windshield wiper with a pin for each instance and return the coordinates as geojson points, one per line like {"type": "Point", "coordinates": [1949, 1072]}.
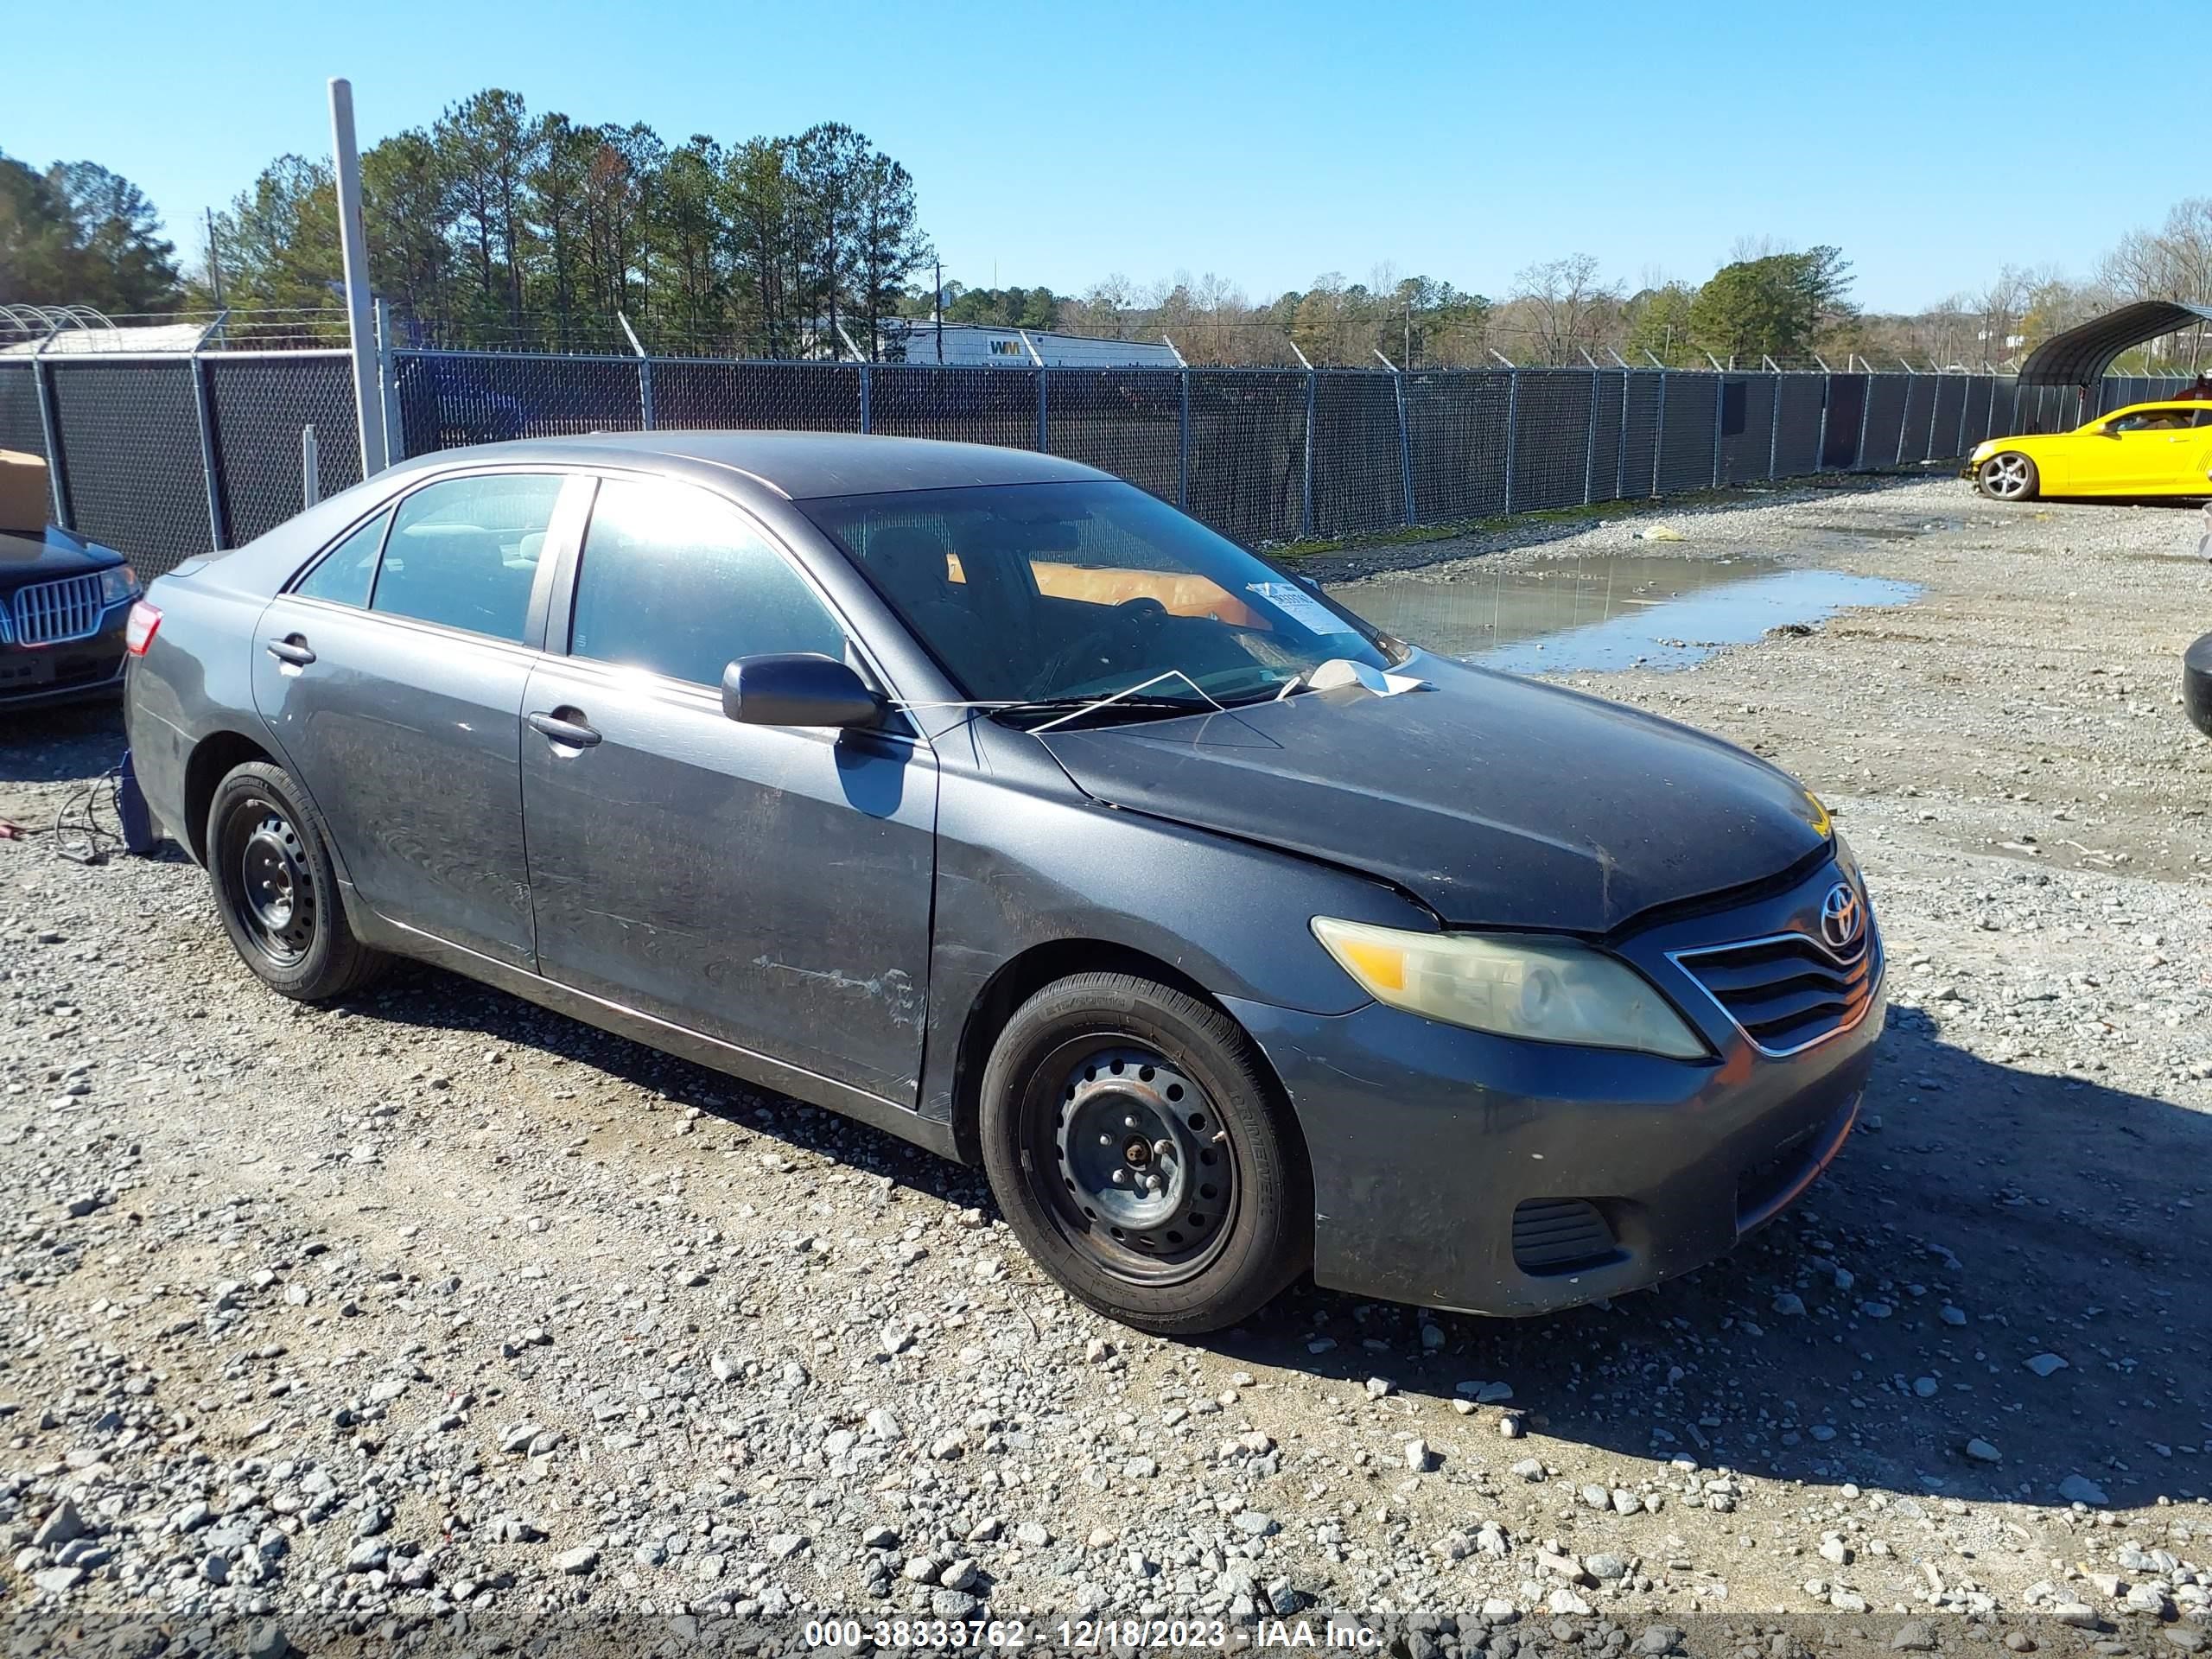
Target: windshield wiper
{"type": "Point", "coordinates": [1134, 703]}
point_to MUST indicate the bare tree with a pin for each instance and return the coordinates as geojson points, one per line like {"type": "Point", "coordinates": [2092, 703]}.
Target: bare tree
{"type": "Point", "coordinates": [1562, 303]}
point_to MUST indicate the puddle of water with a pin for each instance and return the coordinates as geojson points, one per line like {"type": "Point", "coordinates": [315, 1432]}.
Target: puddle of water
{"type": "Point", "coordinates": [1605, 615]}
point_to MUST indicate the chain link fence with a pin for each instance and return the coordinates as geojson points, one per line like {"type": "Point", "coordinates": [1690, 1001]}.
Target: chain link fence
{"type": "Point", "coordinates": [165, 457]}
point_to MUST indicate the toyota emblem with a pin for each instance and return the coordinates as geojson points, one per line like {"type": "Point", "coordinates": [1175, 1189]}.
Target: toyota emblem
{"type": "Point", "coordinates": [1843, 916]}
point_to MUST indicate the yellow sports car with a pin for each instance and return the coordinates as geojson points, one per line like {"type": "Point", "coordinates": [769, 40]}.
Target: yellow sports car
{"type": "Point", "coordinates": [2144, 449]}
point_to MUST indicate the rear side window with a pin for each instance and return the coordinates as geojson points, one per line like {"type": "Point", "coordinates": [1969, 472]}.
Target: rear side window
{"type": "Point", "coordinates": [464, 553]}
{"type": "Point", "coordinates": [675, 581]}
{"type": "Point", "coordinates": [346, 575]}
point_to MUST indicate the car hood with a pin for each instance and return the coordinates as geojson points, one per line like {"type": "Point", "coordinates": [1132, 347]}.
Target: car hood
{"type": "Point", "coordinates": [36, 558]}
{"type": "Point", "coordinates": [1497, 801]}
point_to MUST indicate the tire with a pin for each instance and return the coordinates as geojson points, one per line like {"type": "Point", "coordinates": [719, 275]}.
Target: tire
{"type": "Point", "coordinates": [2197, 684]}
{"type": "Point", "coordinates": [1102, 1073]}
{"type": "Point", "coordinates": [2008, 476]}
{"type": "Point", "coordinates": [276, 890]}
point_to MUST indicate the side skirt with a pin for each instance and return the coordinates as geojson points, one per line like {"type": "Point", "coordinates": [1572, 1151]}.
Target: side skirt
{"type": "Point", "coordinates": [686, 1044]}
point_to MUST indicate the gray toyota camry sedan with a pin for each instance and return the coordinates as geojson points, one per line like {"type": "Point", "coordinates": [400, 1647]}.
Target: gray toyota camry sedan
{"type": "Point", "coordinates": [993, 802]}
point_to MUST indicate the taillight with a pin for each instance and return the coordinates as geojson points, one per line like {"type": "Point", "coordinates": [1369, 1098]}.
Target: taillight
{"type": "Point", "coordinates": [138, 629]}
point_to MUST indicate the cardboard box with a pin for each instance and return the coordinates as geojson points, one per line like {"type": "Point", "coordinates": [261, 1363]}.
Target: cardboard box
{"type": "Point", "coordinates": [24, 499]}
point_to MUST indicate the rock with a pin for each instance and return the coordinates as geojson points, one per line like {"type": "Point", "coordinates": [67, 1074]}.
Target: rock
{"type": "Point", "coordinates": [215, 1567]}
{"type": "Point", "coordinates": [1913, 1636]}
{"type": "Point", "coordinates": [1417, 1455]}
{"type": "Point", "coordinates": [1788, 1304]}
{"type": "Point", "coordinates": [2020, 1642]}
{"type": "Point", "coordinates": [1625, 1502]}
{"type": "Point", "coordinates": [1255, 1523]}
{"type": "Point", "coordinates": [919, 1569]}
{"type": "Point", "coordinates": [2189, 1638]}
{"type": "Point", "coordinates": [1496, 1610]}
{"type": "Point", "coordinates": [2079, 1614]}
{"type": "Point", "coordinates": [579, 1561]}
{"type": "Point", "coordinates": [58, 1580]}
{"type": "Point", "coordinates": [1595, 1496]}
{"type": "Point", "coordinates": [2106, 1584]}
{"type": "Point", "coordinates": [1377, 1386]}
{"type": "Point", "coordinates": [953, 1604]}
{"type": "Point", "coordinates": [1565, 1603]}
{"type": "Point", "coordinates": [2044, 1365]}
{"type": "Point", "coordinates": [961, 1575]}
{"type": "Point", "coordinates": [1529, 1469]}
{"type": "Point", "coordinates": [879, 1536]}
{"type": "Point", "coordinates": [1983, 1452]}
{"type": "Point", "coordinates": [1659, 1638]}
{"type": "Point", "coordinates": [267, 1640]}
{"type": "Point", "coordinates": [1605, 1567]}
{"type": "Point", "coordinates": [62, 1525]}
{"type": "Point", "coordinates": [783, 1545]}
{"type": "Point", "coordinates": [2076, 1489]}
{"type": "Point", "coordinates": [1836, 1552]}
{"type": "Point", "coordinates": [1846, 1601]}
{"type": "Point", "coordinates": [1032, 1534]}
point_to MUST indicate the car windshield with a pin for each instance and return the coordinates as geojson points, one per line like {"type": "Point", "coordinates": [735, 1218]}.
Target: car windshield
{"type": "Point", "coordinates": [1057, 593]}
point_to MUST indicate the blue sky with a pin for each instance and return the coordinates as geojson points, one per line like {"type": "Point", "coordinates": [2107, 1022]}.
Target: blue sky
{"type": "Point", "coordinates": [1267, 143]}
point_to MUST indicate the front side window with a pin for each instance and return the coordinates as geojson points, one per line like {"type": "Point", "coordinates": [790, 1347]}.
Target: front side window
{"type": "Point", "coordinates": [676, 581]}
{"type": "Point", "coordinates": [2154, 420]}
{"type": "Point", "coordinates": [1037, 592]}
{"type": "Point", "coordinates": [463, 553]}
{"type": "Point", "coordinates": [349, 570]}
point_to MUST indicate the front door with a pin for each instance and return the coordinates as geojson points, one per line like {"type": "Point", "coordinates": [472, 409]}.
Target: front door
{"type": "Point", "coordinates": [2135, 453]}
{"type": "Point", "coordinates": [392, 676]}
{"type": "Point", "coordinates": [767, 886]}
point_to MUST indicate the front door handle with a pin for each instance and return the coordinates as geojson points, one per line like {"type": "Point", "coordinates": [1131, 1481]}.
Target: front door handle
{"type": "Point", "coordinates": [292, 649]}
{"type": "Point", "coordinates": [574, 732]}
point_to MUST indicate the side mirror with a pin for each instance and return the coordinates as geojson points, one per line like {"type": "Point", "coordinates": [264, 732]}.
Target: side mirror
{"type": "Point", "coordinates": [798, 688]}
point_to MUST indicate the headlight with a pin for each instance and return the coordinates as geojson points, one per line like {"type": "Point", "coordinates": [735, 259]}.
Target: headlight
{"type": "Point", "coordinates": [118, 583]}
{"type": "Point", "coordinates": [1549, 990]}
{"type": "Point", "coordinates": [1981, 453]}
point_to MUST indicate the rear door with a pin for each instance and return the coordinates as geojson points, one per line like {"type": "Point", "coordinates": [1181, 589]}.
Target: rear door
{"type": "Point", "coordinates": [393, 674]}
{"type": "Point", "coordinates": [767, 886]}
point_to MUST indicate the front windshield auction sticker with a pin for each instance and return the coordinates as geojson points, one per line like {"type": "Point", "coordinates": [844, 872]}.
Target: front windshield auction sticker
{"type": "Point", "coordinates": [1300, 606]}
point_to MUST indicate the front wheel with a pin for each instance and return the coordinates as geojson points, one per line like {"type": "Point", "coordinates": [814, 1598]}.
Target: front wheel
{"type": "Point", "coordinates": [1138, 1149]}
{"type": "Point", "coordinates": [277, 890]}
{"type": "Point", "coordinates": [2008, 477]}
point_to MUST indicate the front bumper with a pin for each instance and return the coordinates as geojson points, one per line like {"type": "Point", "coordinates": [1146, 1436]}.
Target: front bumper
{"type": "Point", "coordinates": [34, 675]}
{"type": "Point", "coordinates": [1457, 1170]}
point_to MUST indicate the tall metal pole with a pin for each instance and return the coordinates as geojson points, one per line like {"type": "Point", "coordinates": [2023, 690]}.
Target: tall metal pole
{"type": "Point", "coordinates": [214, 260]}
{"type": "Point", "coordinates": [367, 405]}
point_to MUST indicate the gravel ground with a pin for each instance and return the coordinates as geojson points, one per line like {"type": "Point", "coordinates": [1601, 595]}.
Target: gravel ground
{"type": "Point", "coordinates": [349, 1320]}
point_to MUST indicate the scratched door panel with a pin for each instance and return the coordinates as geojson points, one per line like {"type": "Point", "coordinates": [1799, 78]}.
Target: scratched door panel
{"type": "Point", "coordinates": [766, 886]}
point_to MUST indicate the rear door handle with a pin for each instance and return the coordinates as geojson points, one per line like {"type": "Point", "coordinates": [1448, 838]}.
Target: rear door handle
{"type": "Point", "coordinates": [574, 732]}
{"type": "Point", "coordinates": [293, 650]}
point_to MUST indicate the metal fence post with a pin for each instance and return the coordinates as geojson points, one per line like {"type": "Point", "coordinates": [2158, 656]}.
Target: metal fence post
{"type": "Point", "coordinates": [198, 367]}
{"type": "Point", "coordinates": [1659, 433]}
{"type": "Point", "coordinates": [1306, 488]}
{"type": "Point", "coordinates": [1965, 402]}
{"type": "Point", "coordinates": [1589, 446]}
{"type": "Point", "coordinates": [1043, 445]}
{"type": "Point", "coordinates": [1898, 460]}
{"type": "Point", "coordinates": [1512, 430]}
{"type": "Point", "coordinates": [1183, 446]}
{"type": "Point", "coordinates": [1405, 448]}
{"type": "Point", "coordinates": [645, 373]}
{"type": "Point", "coordinates": [1820, 443]}
{"type": "Point", "coordinates": [1620, 449]}
{"type": "Point", "coordinates": [1865, 414]}
{"type": "Point", "coordinates": [1774, 434]}
{"type": "Point", "coordinates": [395, 439]}
{"type": "Point", "coordinates": [1720, 404]}
{"type": "Point", "coordinates": [310, 468]}
{"type": "Point", "coordinates": [867, 387]}
{"type": "Point", "coordinates": [50, 426]}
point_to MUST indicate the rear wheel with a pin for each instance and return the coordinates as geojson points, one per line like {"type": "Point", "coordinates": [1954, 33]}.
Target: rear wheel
{"type": "Point", "coordinates": [2008, 477]}
{"type": "Point", "coordinates": [277, 890]}
{"type": "Point", "coordinates": [1137, 1147]}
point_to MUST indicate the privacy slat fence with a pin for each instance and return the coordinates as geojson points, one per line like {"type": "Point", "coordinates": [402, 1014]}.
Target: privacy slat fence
{"type": "Point", "coordinates": [163, 457]}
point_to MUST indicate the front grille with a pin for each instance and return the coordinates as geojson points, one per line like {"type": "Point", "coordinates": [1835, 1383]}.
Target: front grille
{"type": "Point", "coordinates": [1791, 991]}
{"type": "Point", "coordinates": [50, 612]}
{"type": "Point", "coordinates": [1554, 1235]}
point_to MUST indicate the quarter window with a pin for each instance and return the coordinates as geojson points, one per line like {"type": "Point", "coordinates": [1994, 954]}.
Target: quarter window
{"type": "Point", "coordinates": [675, 581]}
{"type": "Point", "coordinates": [464, 553]}
{"type": "Point", "coordinates": [349, 570]}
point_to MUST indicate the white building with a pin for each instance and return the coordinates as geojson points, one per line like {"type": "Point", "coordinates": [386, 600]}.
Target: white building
{"type": "Point", "coordinates": [969, 345]}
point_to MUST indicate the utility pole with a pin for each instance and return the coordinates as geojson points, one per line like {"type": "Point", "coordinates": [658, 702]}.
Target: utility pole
{"type": "Point", "coordinates": [353, 243]}
{"type": "Point", "coordinates": [936, 270]}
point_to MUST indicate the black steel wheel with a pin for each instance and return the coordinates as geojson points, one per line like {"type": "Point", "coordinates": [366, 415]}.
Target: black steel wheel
{"type": "Point", "coordinates": [1138, 1147]}
{"type": "Point", "coordinates": [277, 889]}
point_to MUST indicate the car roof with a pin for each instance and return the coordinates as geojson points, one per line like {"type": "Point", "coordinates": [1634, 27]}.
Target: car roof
{"type": "Point", "coordinates": [798, 465]}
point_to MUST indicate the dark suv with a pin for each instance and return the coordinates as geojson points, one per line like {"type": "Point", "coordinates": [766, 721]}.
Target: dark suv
{"type": "Point", "coordinates": [63, 602]}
